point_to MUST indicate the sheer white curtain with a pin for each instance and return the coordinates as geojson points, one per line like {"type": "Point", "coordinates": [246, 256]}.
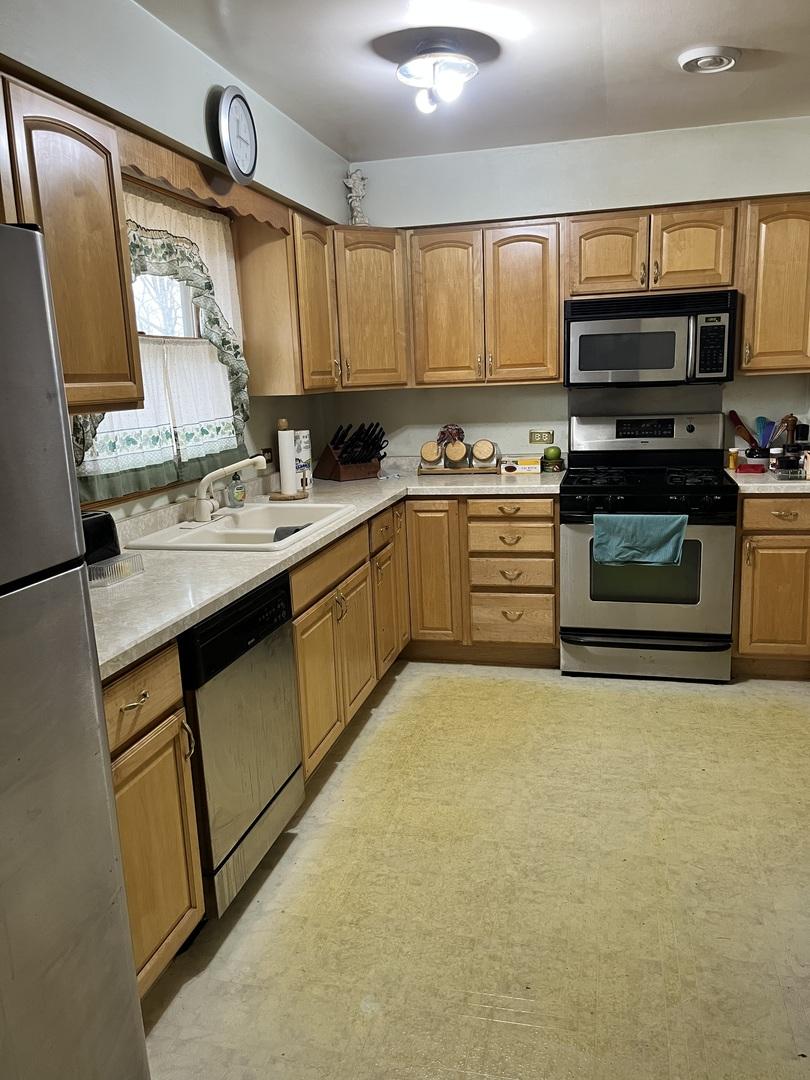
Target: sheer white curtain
{"type": "Point", "coordinates": [188, 408]}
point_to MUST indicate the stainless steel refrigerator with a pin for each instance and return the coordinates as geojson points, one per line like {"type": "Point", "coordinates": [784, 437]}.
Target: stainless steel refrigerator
{"type": "Point", "coordinates": [68, 999]}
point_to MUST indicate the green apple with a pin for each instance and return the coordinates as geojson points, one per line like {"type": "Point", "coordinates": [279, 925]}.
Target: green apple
{"type": "Point", "coordinates": [552, 453]}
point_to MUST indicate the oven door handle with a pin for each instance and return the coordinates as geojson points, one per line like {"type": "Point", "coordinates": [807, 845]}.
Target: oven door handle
{"type": "Point", "coordinates": [605, 641]}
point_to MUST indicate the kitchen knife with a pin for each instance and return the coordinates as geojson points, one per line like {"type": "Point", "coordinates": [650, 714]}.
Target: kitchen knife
{"type": "Point", "coordinates": [335, 440]}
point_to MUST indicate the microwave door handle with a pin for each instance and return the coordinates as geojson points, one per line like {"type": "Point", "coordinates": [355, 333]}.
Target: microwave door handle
{"type": "Point", "coordinates": [691, 365]}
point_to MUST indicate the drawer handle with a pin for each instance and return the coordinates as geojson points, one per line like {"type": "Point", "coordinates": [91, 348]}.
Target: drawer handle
{"type": "Point", "coordinates": [385, 528]}
{"type": "Point", "coordinates": [144, 696]}
{"type": "Point", "coordinates": [511, 575]}
{"type": "Point", "coordinates": [192, 742]}
{"type": "Point", "coordinates": [512, 616]}
{"type": "Point", "coordinates": [786, 515]}
{"type": "Point", "coordinates": [509, 509]}
{"type": "Point", "coordinates": [511, 540]}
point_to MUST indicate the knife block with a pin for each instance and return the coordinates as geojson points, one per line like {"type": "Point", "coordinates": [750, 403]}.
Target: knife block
{"type": "Point", "coordinates": [329, 468]}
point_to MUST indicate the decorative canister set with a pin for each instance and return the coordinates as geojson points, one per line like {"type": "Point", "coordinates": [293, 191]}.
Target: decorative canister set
{"type": "Point", "coordinates": [449, 451]}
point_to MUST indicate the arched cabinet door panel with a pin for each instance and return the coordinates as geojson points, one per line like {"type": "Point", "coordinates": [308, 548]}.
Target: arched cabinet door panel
{"type": "Point", "coordinates": [692, 249]}
{"type": "Point", "coordinates": [608, 253]}
{"type": "Point", "coordinates": [69, 183]}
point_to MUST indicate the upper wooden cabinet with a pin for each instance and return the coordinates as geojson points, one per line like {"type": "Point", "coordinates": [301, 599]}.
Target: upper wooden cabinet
{"type": "Point", "coordinates": [8, 210]}
{"type": "Point", "coordinates": [692, 248]}
{"type": "Point", "coordinates": [69, 182]}
{"type": "Point", "coordinates": [607, 253]}
{"type": "Point", "coordinates": [777, 285]}
{"type": "Point", "coordinates": [680, 248]}
{"type": "Point", "coordinates": [314, 272]}
{"type": "Point", "coordinates": [370, 272]}
{"type": "Point", "coordinates": [521, 276]}
{"type": "Point", "coordinates": [448, 308]}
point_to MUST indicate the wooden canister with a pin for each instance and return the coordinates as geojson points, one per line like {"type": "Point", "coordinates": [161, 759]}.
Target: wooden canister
{"type": "Point", "coordinates": [456, 454]}
{"type": "Point", "coordinates": [431, 454]}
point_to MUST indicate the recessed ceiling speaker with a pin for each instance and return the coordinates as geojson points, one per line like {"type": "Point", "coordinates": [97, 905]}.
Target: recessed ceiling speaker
{"type": "Point", "coordinates": [709, 59]}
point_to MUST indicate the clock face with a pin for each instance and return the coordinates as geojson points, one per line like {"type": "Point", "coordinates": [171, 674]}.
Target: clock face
{"type": "Point", "coordinates": [237, 134]}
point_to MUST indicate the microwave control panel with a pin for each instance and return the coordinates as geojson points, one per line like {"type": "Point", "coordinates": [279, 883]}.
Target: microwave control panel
{"type": "Point", "coordinates": [712, 346]}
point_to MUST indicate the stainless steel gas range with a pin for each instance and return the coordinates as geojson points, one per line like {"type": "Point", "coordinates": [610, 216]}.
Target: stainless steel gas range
{"type": "Point", "coordinates": [655, 621]}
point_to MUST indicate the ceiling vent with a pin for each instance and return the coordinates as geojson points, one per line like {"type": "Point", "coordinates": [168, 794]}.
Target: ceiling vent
{"type": "Point", "coordinates": [709, 59]}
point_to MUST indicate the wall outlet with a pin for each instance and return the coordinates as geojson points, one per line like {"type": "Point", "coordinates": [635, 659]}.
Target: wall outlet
{"type": "Point", "coordinates": [541, 436]}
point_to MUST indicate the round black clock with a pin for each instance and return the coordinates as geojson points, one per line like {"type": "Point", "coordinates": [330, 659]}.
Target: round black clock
{"type": "Point", "coordinates": [237, 134]}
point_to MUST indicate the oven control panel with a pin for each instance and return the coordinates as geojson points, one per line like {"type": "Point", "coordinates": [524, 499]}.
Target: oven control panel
{"type": "Point", "coordinates": [640, 427]}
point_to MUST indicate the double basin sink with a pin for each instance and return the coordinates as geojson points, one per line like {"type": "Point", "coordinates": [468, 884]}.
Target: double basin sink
{"type": "Point", "coordinates": [254, 527]}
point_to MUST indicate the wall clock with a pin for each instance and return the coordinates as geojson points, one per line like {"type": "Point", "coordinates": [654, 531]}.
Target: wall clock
{"type": "Point", "coordinates": [237, 134]}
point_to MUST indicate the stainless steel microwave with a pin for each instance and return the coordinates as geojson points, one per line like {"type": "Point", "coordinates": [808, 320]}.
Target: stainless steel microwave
{"type": "Point", "coordinates": [633, 340]}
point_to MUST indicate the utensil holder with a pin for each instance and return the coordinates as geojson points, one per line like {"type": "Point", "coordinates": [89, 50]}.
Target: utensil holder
{"type": "Point", "coordinates": [329, 468]}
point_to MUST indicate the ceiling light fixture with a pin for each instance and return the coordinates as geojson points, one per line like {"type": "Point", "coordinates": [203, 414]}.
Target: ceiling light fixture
{"type": "Point", "coordinates": [709, 59]}
{"type": "Point", "coordinates": [440, 74]}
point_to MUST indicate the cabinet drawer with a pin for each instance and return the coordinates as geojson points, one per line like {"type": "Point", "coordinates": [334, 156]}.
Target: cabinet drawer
{"type": "Point", "coordinates": [513, 617]}
{"type": "Point", "coordinates": [143, 695]}
{"type": "Point", "coordinates": [381, 531]}
{"type": "Point", "coordinates": [323, 571]}
{"type": "Point", "coordinates": [512, 536]}
{"type": "Point", "coordinates": [510, 508]}
{"type": "Point", "coordinates": [777, 514]}
{"type": "Point", "coordinates": [506, 573]}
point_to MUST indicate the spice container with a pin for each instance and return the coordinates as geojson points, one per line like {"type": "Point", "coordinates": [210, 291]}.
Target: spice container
{"type": "Point", "coordinates": [733, 455]}
{"type": "Point", "coordinates": [775, 458]}
{"type": "Point", "coordinates": [456, 454]}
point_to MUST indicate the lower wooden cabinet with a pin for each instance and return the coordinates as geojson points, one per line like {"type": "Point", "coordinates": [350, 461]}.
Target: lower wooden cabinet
{"type": "Point", "coordinates": [434, 569]}
{"type": "Point", "coordinates": [401, 574]}
{"type": "Point", "coordinates": [775, 596]}
{"type": "Point", "coordinates": [513, 617]}
{"type": "Point", "coordinates": [386, 608]}
{"type": "Point", "coordinates": [319, 687]}
{"type": "Point", "coordinates": [159, 847]}
{"type": "Point", "coordinates": [356, 640]}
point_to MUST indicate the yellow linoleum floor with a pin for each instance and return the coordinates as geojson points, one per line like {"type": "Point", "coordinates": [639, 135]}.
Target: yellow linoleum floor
{"type": "Point", "coordinates": [504, 873]}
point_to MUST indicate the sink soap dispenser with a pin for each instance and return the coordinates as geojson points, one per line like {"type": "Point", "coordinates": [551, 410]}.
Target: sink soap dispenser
{"type": "Point", "coordinates": [236, 492]}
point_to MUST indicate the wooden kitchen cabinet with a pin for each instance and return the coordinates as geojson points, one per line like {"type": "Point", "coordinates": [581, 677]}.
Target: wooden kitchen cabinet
{"type": "Point", "coordinates": [522, 316]}
{"type": "Point", "coordinates": [434, 569]}
{"type": "Point", "coordinates": [386, 609]}
{"type": "Point", "coordinates": [692, 248]}
{"type": "Point", "coordinates": [607, 253]}
{"type": "Point", "coordinates": [401, 573]}
{"type": "Point", "coordinates": [314, 273]}
{"type": "Point", "coordinates": [358, 664]}
{"type": "Point", "coordinates": [8, 209]}
{"type": "Point", "coordinates": [370, 273]}
{"type": "Point", "coordinates": [69, 182]}
{"type": "Point", "coordinates": [315, 634]}
{"type": "Point", "coordinates": [448, 305]}
{"type": "Point", "coordinates": [777, 285]}
{"type": "Point", "coordinates": [775, 596]}
{"type": "Point", "coordinates": [159, 847]}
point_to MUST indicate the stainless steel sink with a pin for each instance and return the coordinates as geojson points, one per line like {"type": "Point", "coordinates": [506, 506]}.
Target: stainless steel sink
{"type": "Point", "coordinates": [253, 528]}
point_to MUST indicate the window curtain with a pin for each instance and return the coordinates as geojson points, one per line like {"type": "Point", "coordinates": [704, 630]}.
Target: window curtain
{"type": "Point", "coordinates": [195, 389]}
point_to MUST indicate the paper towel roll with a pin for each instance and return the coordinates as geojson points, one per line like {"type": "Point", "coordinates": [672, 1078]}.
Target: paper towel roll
{"type": "Point", "coordinates": [286, 459]}
{"type": "Point", "coordinates": [303, 460]}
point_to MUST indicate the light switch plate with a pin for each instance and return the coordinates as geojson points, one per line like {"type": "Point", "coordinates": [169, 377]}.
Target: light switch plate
{"type": "Point", "coordinates": [536, 436]}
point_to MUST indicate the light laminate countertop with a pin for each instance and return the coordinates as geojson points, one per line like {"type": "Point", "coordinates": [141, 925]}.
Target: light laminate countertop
{"type": "Point", "coordinates": [766, 484]}
{"type": "Point", "coordinates": [180, 588]}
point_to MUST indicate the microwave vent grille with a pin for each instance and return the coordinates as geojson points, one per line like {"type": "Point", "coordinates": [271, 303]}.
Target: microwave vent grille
{"type": "Point", "coordinates": [622, 307]}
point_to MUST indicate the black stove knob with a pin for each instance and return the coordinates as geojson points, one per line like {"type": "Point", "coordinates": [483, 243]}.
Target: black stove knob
{"type": "Point", "coordinates": [615, 502]}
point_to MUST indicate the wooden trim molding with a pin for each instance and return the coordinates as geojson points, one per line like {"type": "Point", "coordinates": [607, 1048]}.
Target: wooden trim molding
{"type": "Point", "coordinates": [159, 166]}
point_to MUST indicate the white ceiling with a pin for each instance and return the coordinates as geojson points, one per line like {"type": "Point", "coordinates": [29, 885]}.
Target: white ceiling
{"type": "Point", "coordinates": [569, 69]}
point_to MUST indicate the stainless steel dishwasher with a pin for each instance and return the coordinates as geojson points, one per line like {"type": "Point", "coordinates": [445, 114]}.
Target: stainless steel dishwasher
{"type": "Point", "coordinates": [241, 696]}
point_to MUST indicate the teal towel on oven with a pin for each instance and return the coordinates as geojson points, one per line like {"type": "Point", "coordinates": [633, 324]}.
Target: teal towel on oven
{"type": "Point", "coordinates": [638, 538]}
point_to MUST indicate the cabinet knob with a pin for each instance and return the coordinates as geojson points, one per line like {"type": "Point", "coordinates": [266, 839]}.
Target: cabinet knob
{"type": "Point", "coordinates": [643, 277]}
{"type": "Point", "coordinates": [489, 365]}
{"type": "Point", "coordinates": [749, 551]}
{"type": "Point", "coordinates": [480, 367]}
{"type": "Point", "coordinates": [656, 272]}
{"type": "Point", "coordinates": [747, 353]}
{"type": "Point", "coordinates": [511, 540]}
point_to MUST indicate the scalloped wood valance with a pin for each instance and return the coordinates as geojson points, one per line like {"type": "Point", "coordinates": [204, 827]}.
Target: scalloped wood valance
{"type": "Point", "coordinates": [161, 167]}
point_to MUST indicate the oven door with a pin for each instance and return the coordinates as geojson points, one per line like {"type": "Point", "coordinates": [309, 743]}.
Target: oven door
{"type": "Point", "coordinates": [629, 351]}
{"type": "Point", "coordinates": [694, 597]}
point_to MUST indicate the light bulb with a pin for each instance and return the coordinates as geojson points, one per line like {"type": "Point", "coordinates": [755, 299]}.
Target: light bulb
{"type": "Point", "coordinates": [425, 101]}
{"type": "Point", "coordinates": [448, 83]}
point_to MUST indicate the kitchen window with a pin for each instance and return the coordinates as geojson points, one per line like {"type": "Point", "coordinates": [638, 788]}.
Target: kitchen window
{"type": "Point", "coordinates": [194, 373]}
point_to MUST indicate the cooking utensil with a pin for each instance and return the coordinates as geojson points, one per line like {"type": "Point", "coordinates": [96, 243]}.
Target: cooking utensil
{"type": "Point", "coordinates": [741, 429]}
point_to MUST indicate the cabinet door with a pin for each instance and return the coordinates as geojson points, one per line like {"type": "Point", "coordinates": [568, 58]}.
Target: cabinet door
{"type": "Point", "coordinates": [314, 273]}
{"type": "Point", "coordinates": [8, 210]}
{"type": "Point", "coordinates": [318, 668]}
{"type": "Point", "coordinates": [434, 564]}
{"type": "Point", "coordinates": [607, 254]}
{"type": "Point", "coordinates": [692, 248]}
{"type": "Point", "coordinates": [775, 596]}
{"type": "Point", "coordinates": [386, 622]}
{"type": "Point", "coordinates": [159, 848]}
{"type": "Point", "coordinates": [521, 275]}
{"type": "Point", "coordinates": [69, 183]}
{"type": "Point", "coordinates": [448, 306]}
{"type": "Point", "coordinates": [777, 286]}
{"type": "Point", "coordinates": [370, 269]}
{"type": "Point", "coordinates": [401, 571]}
{"type": "Point", "coordinates": [358, 666]}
